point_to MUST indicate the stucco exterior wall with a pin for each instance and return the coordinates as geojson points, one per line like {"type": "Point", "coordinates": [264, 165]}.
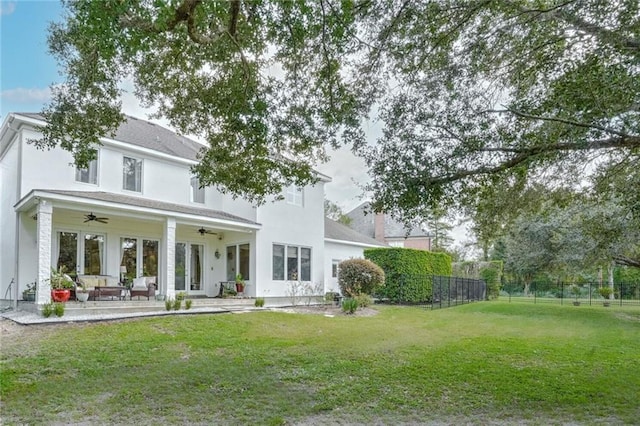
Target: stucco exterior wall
{"type": "Point", "coordinates": [338, 251]}
{"type": "Point", "coordinates": [9, 166]}
{"type": "Point", "coordinates": [287, 224]}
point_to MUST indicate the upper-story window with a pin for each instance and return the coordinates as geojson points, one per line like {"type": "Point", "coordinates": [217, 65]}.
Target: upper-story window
{"type": "Point", "coordinates": [89, 174]}
{"type": "Point", "coordinates": [294, 195]}
{"type": "Point", "coordinates": [132, 174]}
{"type": "Point", "coordinates": [197, 193]}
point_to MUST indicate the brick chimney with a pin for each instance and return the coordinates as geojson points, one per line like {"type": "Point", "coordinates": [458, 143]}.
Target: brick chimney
{"type": "Point", "coordinates": [378, 227]}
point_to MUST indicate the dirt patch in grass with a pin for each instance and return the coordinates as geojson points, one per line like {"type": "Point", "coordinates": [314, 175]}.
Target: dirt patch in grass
{"type": "Point", "coordinates": [329, 310]}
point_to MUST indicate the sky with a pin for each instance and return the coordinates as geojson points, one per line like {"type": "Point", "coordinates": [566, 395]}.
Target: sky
{"type": "Point", "coordinates": [28, 70]}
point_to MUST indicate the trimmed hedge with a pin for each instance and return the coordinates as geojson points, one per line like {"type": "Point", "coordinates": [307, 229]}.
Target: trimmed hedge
{"type": "Point", "coordinates": [405, 271]}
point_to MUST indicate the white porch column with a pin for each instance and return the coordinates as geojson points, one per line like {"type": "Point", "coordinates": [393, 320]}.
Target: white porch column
{"type": "Point", "coordinates": [45, 216]}
{"type": "Point", "coordinates": [169, 258]}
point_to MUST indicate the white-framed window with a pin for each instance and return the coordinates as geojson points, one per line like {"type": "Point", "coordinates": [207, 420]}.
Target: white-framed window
{"type": "Point", "coordinates": [292, 263]}
{"type": "Point", "coordinates": [89, 174]}
{"type": "Point", "coordinates": [238, 261]}
{"type": "Point", "coordinates": [294, 195]}
{"type": "Point", "coordinates": [139, 257]}
{"type": "Point", "coordinates": [132, 174]}
{"type": "Point", "coordinates": [80, 252]}
{"type": "Point", "coordinates": [334, 268]}
{"type": "Point", "coordinates": [197, 192]}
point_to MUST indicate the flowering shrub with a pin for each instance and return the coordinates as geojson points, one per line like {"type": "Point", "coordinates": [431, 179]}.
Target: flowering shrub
{"type": "Point", "coordinates": [359, 276]}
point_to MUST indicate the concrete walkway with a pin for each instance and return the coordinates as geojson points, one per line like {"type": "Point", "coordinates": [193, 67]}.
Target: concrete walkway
{"type": "Point", "coordinates": [30, 318]}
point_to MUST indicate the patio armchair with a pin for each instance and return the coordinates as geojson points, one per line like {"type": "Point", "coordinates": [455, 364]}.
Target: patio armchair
{"type": "Point", "coordinates": [143, 286]}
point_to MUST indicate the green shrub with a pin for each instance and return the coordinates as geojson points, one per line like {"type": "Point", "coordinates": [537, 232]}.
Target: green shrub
{"type": "Point", "coordinates": [259, 303]}
{"type": "Point", "coordinates": [491, 273]}
{"type": "Point", "coordinates": [168, 304]}
{"type": "Point", "coordinates": [177, 304]}
{"type": "Point", "coordinates": [408, 272]}
{"type": "Point", "coordinates": [349, 306]}
{"type": "Point", "coordinates": [58, 309]}
{"type": "Point", "coordinates": [188, 303]}
{"type": "Point", "coordinates": [359, 276]}
{"type": "Point", "coordinates": [364, 300]}
{"type": "Point", "coordinates": [47, 310]}
{"type": "Point", "coordinates": [180, 295]}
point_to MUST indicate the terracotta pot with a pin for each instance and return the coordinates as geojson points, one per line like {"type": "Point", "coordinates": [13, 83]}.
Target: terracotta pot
{"type": "Point", "coordinates": [60, 295]}
{"type": "Point", "coordinates": [239, 287]}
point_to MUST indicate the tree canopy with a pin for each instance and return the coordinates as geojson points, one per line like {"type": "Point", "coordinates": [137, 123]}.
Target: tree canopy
{"type": "Point", "coordinates": [261, 82]}
{"type": "Point", "coordinates": [473, 95]}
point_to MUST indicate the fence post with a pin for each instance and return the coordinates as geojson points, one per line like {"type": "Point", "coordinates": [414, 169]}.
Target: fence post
{"type": "Point", "coordinates": [562, 293]}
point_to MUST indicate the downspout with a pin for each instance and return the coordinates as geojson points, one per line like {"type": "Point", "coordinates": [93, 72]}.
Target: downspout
{"type": "Point", "coordinates": [16, 262]}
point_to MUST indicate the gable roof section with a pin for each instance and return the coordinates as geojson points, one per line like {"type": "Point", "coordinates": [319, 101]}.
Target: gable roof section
{"type": "Point", "coordinates": [339, 232]}
{"type": "Point", "coordinates": [144, 203]}
{"type": "Point", "coordinates": [145, 134]}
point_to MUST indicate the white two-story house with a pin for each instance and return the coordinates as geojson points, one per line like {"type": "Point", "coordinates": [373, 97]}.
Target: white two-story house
{"type": "Point", "coordinates": [138, 211]}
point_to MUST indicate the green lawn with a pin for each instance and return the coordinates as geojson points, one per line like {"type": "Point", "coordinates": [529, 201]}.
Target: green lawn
{"type": "Point", "coordinates": [479, 363]}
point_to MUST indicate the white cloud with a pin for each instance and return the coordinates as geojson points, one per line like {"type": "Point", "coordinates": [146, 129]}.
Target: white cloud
{"type": "Point", "coordinates": [7, 7]}
{"type": "Point", "coordinates": [348, 173]}
{"type": "Point", "coordinates": [24, 95]}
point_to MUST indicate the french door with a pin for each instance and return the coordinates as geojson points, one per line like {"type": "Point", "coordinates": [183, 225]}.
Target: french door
{"type": "Point", "coordinates": [189, 268]}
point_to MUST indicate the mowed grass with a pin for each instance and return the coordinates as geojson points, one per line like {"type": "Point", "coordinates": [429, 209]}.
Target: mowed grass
{"type": "Point", "coordinates": [489, 362]}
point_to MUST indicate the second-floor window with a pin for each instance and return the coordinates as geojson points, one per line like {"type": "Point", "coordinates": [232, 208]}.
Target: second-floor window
{"type": "Point", "coordinates": [132, 174]}
{"type": "Point", "coordinates": [294, 195]}
{"type": "Point", "coordinates": [90, 174]}
{"type": "Point", "coordinates": [197, 193]}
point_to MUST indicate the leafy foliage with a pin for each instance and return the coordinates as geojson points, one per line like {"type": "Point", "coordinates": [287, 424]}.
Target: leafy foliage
{"type": "Point", "coordinates": [493, 94]}
{"type": "Point", "coordinates": [408, 272]}
{"type": "Point", "coordinates": [491, 275]}
{"type": "Point", "coordinates": [490, 272]}
{"type": "Point", "coordinates": [472, 94]}
{"type": "Point", "coordinates": [349, 305]}
{"type": "Point", "coordinates": [262, 82]}
{"type": "Point", "coordinates": [334, 212]}
{"type": "Point", "coordinates": [359, 276]}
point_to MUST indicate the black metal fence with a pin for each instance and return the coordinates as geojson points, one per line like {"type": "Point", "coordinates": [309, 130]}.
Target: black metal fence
{"type": "Point", "coordinates": [453, 291]}
{"type": "Point", "coordinates": [584, 293]}
{"type": "Point", "coordinates": [432, 291]}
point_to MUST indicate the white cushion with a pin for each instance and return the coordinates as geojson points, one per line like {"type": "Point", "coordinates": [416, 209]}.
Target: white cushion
{"type": "Point", "coordinates": [140, 283]}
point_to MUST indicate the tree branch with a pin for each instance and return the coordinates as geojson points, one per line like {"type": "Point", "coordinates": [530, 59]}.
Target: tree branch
{"type": "Point", "coordinates": [626, 261]}
{"type": "Point", "coordinates": [559, 120]}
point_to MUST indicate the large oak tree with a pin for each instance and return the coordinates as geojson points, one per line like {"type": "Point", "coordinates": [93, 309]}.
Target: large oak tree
{"type": "Point", "coordinates": [473, 95]}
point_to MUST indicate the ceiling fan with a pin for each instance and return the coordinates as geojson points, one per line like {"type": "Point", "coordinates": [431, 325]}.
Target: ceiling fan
{"type": "Point", "coordinates": [92, 217]}
{"type": "Point", "coordinates": [203, 231]}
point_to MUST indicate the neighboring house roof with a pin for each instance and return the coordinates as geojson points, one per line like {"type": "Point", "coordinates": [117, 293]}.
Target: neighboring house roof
{"type": "Point", "coordinates": [142, 202]}
{"type": "Point", "coordinates": [338, 232]}
{"type": "Point", "coordinates": [362, 220]}
{"type": "Point", "coordinates": [148, 135]}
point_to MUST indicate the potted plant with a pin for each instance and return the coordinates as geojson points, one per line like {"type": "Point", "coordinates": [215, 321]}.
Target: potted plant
{"type": "Point", "coordinates": [61, 285]}
{"type": "Point", "coordinates": [605, 291]}
{"type": "Point", "coordinates": [29, 294]}
{"type": "Point", "coordinates": [82, 294]}
{"type": "Point", "coordinates": [576, 293]}
{"type": "Point", "coordinates": [239, 283]}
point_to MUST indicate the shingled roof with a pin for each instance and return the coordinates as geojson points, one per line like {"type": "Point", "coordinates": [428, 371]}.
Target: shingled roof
{"type": "Point", "coordinates": [152, 204]}
{"type": "Point", "coordinates": [337, 231]}
{"type": "Point", "coordinates": [148, 135]}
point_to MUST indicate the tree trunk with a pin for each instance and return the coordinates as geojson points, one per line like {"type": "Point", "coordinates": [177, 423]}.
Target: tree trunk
{"type": "Point", "coordinates": [611, 266]}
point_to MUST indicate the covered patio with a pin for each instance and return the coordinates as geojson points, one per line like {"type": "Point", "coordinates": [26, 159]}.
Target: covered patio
{"type": "Point", "coordinates": [114, 239]}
